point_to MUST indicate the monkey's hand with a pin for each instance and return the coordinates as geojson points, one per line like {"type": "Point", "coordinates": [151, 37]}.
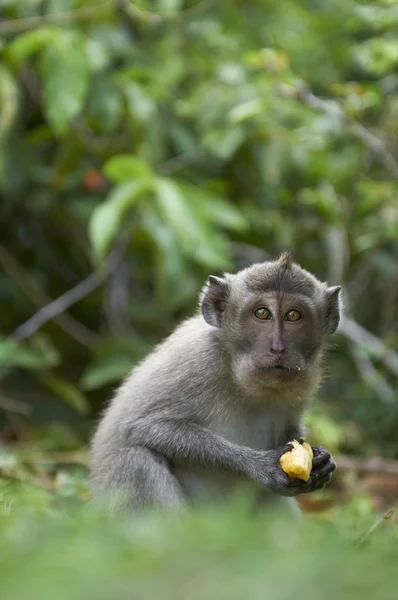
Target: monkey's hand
{"type": "Point", "coordinates": [323, 466]}
{"type": "Point", "coordinates": [272, 476]}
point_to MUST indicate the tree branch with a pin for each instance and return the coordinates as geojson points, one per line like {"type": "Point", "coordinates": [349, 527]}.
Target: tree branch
{"type": "Point", "coordinates": [337, 251]}
{"type": "Point", "coordinates": [357, 334]}
{"type": "Point", "coordinates": [15, 406]}
{"type": "Point", "coordinates": [58, 306]}
{"type": "Point", "coordinates": [304, 95]}
{"type": "Point", "coordinates": [59, 18]}
{"type": "Point", "coordinates": [371, 375]}
{"type": "Point", "coordinates": [390, 300]}
{"type": "Point", "coordinates": [61, 304]}
{"type": "Point", "coordinates": [17, 272]}
{"type": "Point", "coordinates": [372, 464]}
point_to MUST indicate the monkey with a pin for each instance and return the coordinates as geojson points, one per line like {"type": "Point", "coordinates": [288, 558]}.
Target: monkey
{"type": "Point", "coordinates": [215, 404]}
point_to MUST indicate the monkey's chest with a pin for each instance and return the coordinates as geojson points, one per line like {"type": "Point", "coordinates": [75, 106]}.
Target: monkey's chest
{"type": "Point", "coordinates": [257, 430]}
{"type": "Point", "coordinates": [260, 431]}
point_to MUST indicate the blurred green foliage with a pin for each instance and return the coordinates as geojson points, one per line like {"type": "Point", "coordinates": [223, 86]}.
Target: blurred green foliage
{"type": "Point", "coordinates": [152, 143]}
{"type": "Point", "coordinates": [224, 554]}
{"type": "Point", "coordinates": [143, 146]}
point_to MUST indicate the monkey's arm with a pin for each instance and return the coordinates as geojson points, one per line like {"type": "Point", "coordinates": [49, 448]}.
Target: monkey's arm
{"type": "Point", "coordinates": [186, 442]}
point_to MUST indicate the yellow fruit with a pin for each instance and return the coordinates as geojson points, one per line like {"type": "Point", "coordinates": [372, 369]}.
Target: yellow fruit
{"type": "Point", "coordinates": [298, 461]}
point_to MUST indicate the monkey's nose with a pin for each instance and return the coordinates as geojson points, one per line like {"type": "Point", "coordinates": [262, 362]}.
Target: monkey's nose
{"type": "Point", "coordinates": [277, 348]}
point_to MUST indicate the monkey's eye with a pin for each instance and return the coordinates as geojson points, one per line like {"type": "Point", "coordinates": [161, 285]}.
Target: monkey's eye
{"type": "Point", "coordinates": [293, 315]}
{"type": "Point", "coordinates": [262, 313]}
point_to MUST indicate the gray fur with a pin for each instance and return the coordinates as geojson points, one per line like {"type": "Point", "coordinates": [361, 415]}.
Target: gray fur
{"type": "Point", "coordinates": [195, 419]}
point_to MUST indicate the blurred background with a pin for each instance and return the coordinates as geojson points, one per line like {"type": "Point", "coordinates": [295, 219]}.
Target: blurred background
{"type": "Point", "coordinates": [145, 145]}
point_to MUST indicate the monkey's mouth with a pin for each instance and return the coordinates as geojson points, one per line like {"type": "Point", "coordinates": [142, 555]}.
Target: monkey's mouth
{"type": "Point", "coordinates": [280, 369]}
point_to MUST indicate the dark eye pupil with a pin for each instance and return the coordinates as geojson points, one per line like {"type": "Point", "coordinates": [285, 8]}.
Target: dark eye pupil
{"type": "Point", "coordinates": [262, 313]}
{"type": "Point", "coordinates": [293, 315]}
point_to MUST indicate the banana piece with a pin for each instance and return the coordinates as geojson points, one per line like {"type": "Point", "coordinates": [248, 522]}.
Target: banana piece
{"type": "Point", "coordinates": [298, 461]}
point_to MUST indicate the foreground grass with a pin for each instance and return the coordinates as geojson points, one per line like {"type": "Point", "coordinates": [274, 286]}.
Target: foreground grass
{"type": "Point", "coordinates": [55, 549]}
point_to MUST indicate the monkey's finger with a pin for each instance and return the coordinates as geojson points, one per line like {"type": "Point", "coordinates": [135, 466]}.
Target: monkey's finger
{"type": "Point", "coordinates": [326, 467]}
{"type": "Point", "coordinates": [315, 484]}
{"type": "Point", "coordinates": [320, 483]}
{"type": "Point", "coordinates": [321, 456]}
{"type": "Point", "coordinates": [329, 467]}
{"type": "Point", "coordinates": [293, 482]}
{"type": "Point", "coordinates": [319, 451]}
{"type": "Point", "coordinates": [291, 491]}
{"type": "Point", "coordinates": [287, 447]}
{"type": "Point", "coordinates": [297, 489]}
{"type": "Point", "coordinates": [319, 479]}
{"type": "Point", "coordinates": [283, 449]}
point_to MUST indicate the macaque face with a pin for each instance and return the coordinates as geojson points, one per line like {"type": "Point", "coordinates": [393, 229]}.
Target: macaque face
{"type": "Point", "coordinates": [280, 336]}
{"type": "Point", "coordinates": [275, 318]}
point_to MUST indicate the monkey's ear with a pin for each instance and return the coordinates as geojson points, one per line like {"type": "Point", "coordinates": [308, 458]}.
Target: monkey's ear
{"type": "Point", "coordinates": [213, 300]}
{"type": "Point", "coordinates": [333, 307]}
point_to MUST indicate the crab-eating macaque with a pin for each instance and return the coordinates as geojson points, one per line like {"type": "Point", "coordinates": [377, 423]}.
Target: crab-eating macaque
{"type": "Point", "coordinates": [217, 402]}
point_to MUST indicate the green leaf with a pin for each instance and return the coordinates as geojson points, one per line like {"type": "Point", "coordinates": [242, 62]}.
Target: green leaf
{"type": "Point", "coordinates": [367, 241]}
{"type": "Point", "coordinates": [68, 392]}
{"type": "Point", "coordinates": [114, 358]}
{"type": "Point", "coordinates": [328, 433]}
{"type": "Point", "coordinates": [18, 354]}
{"type": "Point", "coordinates": [246, 111]}
{"type": "Point", "coordinates": [8, 100]}
{"type": "Point", "coordinates": [141, 106]}
{"type": "Point", "coordinates": [324, 199]}
{"type": "Point", "coordinates": [109, 369]}
{"type": "Point", "coordinates": [97, 54]}
{"type": "Point", "coordinates": [176, 212]}
{"type": "Point", "coordinates": [212, 252]}
{"type": "Point", "coordinates": [125, 167]}
{"type": "Point", "coordinates": [170, 5]}
{"type": "Point", "coordinates": [204, 244]}
{"type": "Point", "coordinates": [175, 282]}
{"type": "Point", "coordinates": [64, 69]}
{"type": "Point", "coordinates": [223, 143]}
{"type": "Point", "coordinates": [213, 208]}
{"type": "Point", "coordinates": [65, 74]}
{"type": "Point", "coordinates": [105, 105]}
{"type": "Point", "coordinates": [108, 217]}
{"type": "Point", "coordinates": [378, 55]}
{"type": "Point", "coordinates": [56, 6]}
{"type": "Point", "coordinates": [29, 43]}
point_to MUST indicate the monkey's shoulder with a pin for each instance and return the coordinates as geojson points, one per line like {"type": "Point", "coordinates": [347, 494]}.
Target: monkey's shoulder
{"type": "Point", "coordinates": [183, 373]}
{"type": "Point", "coordinates": [191, 339]}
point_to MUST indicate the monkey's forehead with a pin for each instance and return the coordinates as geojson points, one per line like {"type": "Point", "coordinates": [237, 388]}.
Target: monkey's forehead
{"type": "Point", "coordinates": [274, 278]}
